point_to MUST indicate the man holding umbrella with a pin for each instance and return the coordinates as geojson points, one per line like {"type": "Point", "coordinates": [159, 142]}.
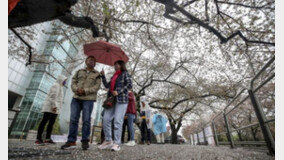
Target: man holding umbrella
{"type": "Point", "coordinates": [85, 85]}
{"type": "Point", "coordinates": [112, 55]}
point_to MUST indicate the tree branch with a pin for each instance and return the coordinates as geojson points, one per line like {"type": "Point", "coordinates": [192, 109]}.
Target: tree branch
{"type": "Point", "coordinates": [222, 38]}
{"type": "Point", "coordinates": [246, 6]}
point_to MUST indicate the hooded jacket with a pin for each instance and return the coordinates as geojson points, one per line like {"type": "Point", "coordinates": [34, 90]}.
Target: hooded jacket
{"type": "Point", "coordinates": [146, 111]}
{"type": "Point", "coordinates": [55, 96]}
{"type": "Point", "coordinates": [159, 124]}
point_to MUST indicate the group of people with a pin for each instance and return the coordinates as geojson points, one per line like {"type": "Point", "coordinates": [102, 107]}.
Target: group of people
{"type": "Point", "coordinates": [85, 84]}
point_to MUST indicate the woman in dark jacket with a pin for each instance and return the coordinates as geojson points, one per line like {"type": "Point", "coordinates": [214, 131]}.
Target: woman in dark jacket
{"type": "Point", "coordinates": [118, 86]}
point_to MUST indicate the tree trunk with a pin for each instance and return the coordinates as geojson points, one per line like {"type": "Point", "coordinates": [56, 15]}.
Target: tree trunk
{"type": "Point", "coordinates": [253, 132]}
{"type": "Point", "coordinates": [240, 136]}
{"type": "Point", "coordinates": [174, 136]}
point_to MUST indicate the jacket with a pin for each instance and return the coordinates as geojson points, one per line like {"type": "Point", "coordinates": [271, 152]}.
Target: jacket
{"type": "Point", "coordinates": [159, 124]}
{"type": "Point", "coordinates": [123, 83]}
{"type": "Point", "coordinates": [131, 108]}
{"type": "Point", "coordinates": [90, 82]}
{"type": "Point", "coordinates": [55, 96]}
{"type": "Point", "coordinates": [145, 112]}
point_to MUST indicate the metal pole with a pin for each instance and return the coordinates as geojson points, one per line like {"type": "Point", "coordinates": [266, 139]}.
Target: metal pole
{"type": "Point", "coordinates": [198, 142]}
{"type": "Point", "coordinates": [92, 135]}
{"type": "Point", "coordinates": [215, 134]}
{"type": "Point", "coordinates": [264, 127]}
{"type": "Point", "coordinates": [190, 141]}
{"type": "Point", "coordinates": [262, 69]}
{"type": "Point", "coordinates": [205, 139]}
{"type": "Point", "coordinates": [193, 139]}
{"type": "Point", "coordinates": [229, 135]}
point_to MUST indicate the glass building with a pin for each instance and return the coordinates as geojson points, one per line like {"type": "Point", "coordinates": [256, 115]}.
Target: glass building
{"type": "Point", "coordinates": [43, 77]}
{"type": "Point", "coordinates": [29, 87]}
{"type": "Point", "coordinates": [20, 75]}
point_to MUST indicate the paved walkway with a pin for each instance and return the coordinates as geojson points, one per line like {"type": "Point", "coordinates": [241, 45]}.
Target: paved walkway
{"type": "Point", "coordinates": [26, 150]}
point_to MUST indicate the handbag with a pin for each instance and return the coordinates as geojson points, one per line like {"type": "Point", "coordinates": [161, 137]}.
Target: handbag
{"type": "Point", "coordinates": [109, 102]}
{"type": "Point", "coordinates": [138, 120]}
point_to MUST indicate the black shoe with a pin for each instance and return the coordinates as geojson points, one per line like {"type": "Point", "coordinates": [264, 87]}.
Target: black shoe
{"type": "Point", "coordinates": [148, 142]}
{"type": "Point", "coordinates": [142, 142]}
{"type": "Point", "coordinates": [49, 141]}
{"type": "Point", "coordinates": [85, 145]}
{"type": "Point", "coordinates": [69, 145]}
{"type": "Point", "coordinates": [39, 142]}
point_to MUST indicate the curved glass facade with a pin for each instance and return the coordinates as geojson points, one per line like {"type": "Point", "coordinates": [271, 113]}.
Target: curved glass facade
{"type": "Point", "coordinates": [44, 76]}
{"type": "Point", "coordinates": [34, 84]}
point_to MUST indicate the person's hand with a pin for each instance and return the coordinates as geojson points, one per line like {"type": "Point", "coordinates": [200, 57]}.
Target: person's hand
{"type": "Point", "coordinates": [114, 93]}
{"type": "Point", "coordinates": [143, 104]}
{"type": "Point", "coordinates": [83, 91]}
{"type": "Point", "coordinates": [54, 109]}
{"type": "Point", "coordinates": [147, 121]}
{"type": "Point", "coordinates": [80, 91]}
{"type": "Point", "coordinates": [103, 72]}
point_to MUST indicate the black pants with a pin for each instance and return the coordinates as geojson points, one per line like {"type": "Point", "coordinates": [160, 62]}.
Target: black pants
{"type": "Point", "coordinates": [47, 117]}
{"type": "Point", "coordinates": [125, 124]}
{"type": "Point", "coordinates": [144, 129]}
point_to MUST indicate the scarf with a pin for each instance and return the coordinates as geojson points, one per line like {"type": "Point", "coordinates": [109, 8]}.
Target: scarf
{"type": "Point", "coordinates": [112, 82]}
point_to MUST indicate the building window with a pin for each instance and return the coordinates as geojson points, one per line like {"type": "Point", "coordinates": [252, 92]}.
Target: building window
{"type": "Point", "coordinates": [12, 98]}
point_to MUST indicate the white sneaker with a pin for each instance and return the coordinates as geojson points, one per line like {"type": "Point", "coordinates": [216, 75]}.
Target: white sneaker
{"type": "Point", "coordinates": [115, 147]}
{"type": "Point", "coordinates": [130, 143]}
{"type": "Point", "coordinates": [106, 145]}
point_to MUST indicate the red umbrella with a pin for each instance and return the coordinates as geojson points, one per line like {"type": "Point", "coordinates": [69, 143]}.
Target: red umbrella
{"type": "Point", "coordinates": [105, 52]}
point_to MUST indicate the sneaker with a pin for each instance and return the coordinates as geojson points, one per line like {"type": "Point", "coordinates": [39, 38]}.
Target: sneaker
{"type": "Point", "coordinates": [69, 145]}
{"type": "Point", "coordinates": [85, 145]}
{"type": "Point", "coordinates": [49, 141]}
{"type": "Point", "coordinates": [142, 142]}
{"type": "Point", "coordinates": [131, 143]}
{"type": "Point", "coordinates": [106, 145]}
{"type": "Point", "coordinates": [115, 147]}
{"type": "Point", "coordinates": [148, 142]}
{"type": "Point", "coordinates": [39, 143]}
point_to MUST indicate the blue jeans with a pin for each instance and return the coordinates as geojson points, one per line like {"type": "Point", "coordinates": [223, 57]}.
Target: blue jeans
{"type": "Point", "coordinates": [130, 120]}
{"type": "Point", "coordinates": [76, 107]}
{"type": "Point", "coordinates": [117, 113]}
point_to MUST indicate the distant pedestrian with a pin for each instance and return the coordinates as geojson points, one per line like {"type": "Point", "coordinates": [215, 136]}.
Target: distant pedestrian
{"type": "Point", "coordinates": [118, 86]}
{"type": "Point", "coordinates": [50, 109]}
{"type": "Point", "coordinates": [124, 125]}
{"type": "Point", "coordinates": [85, 85]}
{"type": "Point", "coordinates": [159, 127]}
{"type": "Point", "coordinates": [131, 115]}
{"type": "Point", "coordinates": [145, 114]}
